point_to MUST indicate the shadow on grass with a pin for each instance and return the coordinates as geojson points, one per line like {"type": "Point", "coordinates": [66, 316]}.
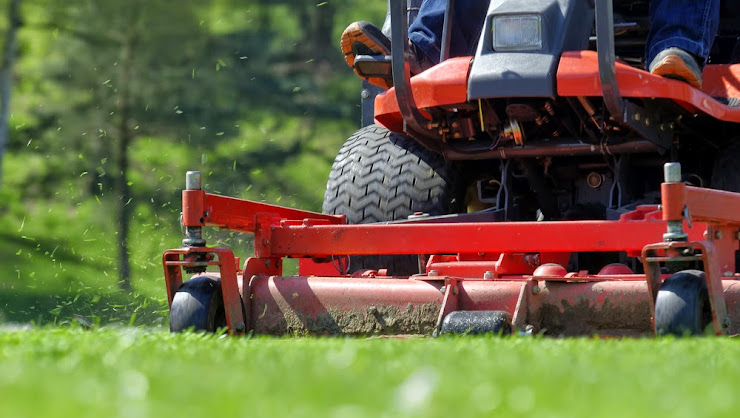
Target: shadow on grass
{"type": "Point", "coordinates": [87, 309]}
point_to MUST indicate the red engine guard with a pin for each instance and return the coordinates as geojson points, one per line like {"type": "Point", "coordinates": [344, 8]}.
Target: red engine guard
{"type": "Point", "coordinates": [578, 75]}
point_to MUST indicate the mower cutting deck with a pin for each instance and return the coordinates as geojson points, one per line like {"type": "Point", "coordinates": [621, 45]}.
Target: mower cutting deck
{"type": "Point", "coordinates": [480, 277]}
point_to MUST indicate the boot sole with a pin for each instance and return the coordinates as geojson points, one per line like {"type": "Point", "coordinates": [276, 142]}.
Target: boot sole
{"type": "Point", "coordinates": [355, 35]}
{"type": "Point", "coordinates": [672, 66]}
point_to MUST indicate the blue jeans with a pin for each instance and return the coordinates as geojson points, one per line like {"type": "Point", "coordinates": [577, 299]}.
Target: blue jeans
{"type": "Point", "coordinates": [687, 24]}
{"type": "Point", "coordinates": [468, 17]}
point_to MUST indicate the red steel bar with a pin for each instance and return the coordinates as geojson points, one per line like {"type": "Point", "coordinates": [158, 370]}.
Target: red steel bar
{"type": "Point", "coordinates": [509, 237]}
{"type": "Point", "coordinates": [201, 209]}
{"type": "Point", "coordinates": [705, 205]}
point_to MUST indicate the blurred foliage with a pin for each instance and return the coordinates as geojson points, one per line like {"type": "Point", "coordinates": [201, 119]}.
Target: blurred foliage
{"type": "Point", "coordinates": [255, 94]}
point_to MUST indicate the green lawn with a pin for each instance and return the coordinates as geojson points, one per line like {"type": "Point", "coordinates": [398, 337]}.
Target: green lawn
{"type": "Point", "coordinates": [134, 372]}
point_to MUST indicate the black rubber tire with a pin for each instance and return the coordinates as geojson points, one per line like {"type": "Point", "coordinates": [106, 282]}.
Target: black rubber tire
{"type": "Point", "coordinates": [682, 306]}
{"type": "Point", "coordinates": [477, 323]}
{"type": "Point", "coordinates": [380, 176]}
{"type": "Point", "coordinates": [198, 305]}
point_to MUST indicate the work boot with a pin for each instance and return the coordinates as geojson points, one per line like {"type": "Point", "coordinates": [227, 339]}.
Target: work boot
{"type": "Point", "coordinates": [364, 38]}
{"type": "Point", "coordinates": [677, 64]}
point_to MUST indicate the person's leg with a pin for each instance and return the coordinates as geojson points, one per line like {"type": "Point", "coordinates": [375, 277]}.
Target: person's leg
{"type": "Point", "coordinates": [426, 31]}
{"type": "Point", "coordinates": [425, 35]}
{"type": "Point", "coordinates": [681, 35]}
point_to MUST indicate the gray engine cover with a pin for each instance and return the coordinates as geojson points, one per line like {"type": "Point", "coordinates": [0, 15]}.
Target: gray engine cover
{"type": "Point", "coordinates": [566, 26]}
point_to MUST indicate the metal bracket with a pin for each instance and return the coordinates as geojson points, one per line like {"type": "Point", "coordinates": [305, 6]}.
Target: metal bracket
{"type": "Point", "coordinates": [450, 303]}
{"type": "Point", "coordinates": [623, 112]}
{"type": "Point", "coordinates": [654, 254]}
{"type": "Point", "coordinates": [174, 260]}
{"type": "Point", "coordinates": [414, 122]}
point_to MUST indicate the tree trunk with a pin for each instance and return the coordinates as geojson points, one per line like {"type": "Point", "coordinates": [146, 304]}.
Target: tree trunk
{"type": "Point", "coordinates": [6, 75]}
{"type": "Point", "coordinates": [322, 44]}
{"type": "Point", "coordinates": [125, 137]}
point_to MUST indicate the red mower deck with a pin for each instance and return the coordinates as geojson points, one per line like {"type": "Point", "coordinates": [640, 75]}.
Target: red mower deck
{"type": "Point", "coordinates": [510, 267]}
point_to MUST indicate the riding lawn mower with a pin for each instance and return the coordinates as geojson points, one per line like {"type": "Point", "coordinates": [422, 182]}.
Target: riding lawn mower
{"type": "Point", "coordinates": [547, 185]}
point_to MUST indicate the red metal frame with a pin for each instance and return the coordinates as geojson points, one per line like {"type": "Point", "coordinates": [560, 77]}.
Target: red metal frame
{"type": "Point", "coordinates": [201, 209]}
{"type": "Point", "coordinates": [223, 258]}
{"type": "Point", "coordinates": [473, 266]}
{"type": "Point", "coordinates": [716, 252]}
{"type": "Point", "coordinates": [578, 75]}
{"type": "Point", "coordinates": [444, 84]}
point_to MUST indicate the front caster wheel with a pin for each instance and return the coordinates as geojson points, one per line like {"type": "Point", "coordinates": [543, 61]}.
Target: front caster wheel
{"type": "Point", "coordinates": [682, 306]}
{"type": "Point", "coordinates": [198, 305]}
{"type": "Point", "coordinates": [477, 322]}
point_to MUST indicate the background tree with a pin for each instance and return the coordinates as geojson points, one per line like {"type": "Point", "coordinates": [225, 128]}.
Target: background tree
{"type": "Point", "coordinates": [114, 101]}
{"type": "Point", "coordinates": [131, 62]}
{"type": "Point", "coordinates": [6, 74]}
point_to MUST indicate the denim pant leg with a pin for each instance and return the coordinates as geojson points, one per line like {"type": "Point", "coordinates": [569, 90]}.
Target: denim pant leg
{"type": "Point", "coordinates": [426, 31]}
{"type": "Point", "coordinates": [687, 24]}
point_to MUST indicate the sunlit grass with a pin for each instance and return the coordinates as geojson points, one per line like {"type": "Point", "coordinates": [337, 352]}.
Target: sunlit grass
{"type": "Point", "coordinates": [134, 372]}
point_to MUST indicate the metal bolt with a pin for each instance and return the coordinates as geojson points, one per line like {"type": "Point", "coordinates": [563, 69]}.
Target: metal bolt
{"type": "Point", "coordinates": [727, 274]}
{"type": "Point", "coordinates": [240, 327]}
{"type": "Point", "coordinates": [594, 180]}
{"type": "Point", "coordinates": [487, 275]}
{"type": "Point", "coordinates": [192, 180]}
{"type": "Point", "coordinates": [442, 289]}
{"type": "Point", "coordinates": [267, 263]}
{"type": "Point", "coordinates": [535, 289]}
{"type": "Point", "coordinates": [364, 94]}
{"type": "Point", "coordinates": [717, 234]}
{"type": "Point", "coordinates": [672, 172]}
{"type": "Point", "coordinates": [636, 117]}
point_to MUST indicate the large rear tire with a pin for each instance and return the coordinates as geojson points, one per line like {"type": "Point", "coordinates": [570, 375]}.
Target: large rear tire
{"type": "Point", "coordinates": [380, 176]}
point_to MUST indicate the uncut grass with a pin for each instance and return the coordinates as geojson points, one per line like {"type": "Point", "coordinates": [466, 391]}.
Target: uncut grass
{"type": "Point", "coordinates": [133, 372]}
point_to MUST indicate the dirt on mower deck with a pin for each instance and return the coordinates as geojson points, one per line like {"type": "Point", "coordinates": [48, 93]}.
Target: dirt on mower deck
{"type": "Point", "coordinates": [375, 320]}
{"type": "Point", "coordinates": [621, 312]}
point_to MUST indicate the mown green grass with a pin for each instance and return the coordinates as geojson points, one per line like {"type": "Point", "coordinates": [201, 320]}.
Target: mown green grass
{"type": "Point", "coordinates": [134, 372]}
